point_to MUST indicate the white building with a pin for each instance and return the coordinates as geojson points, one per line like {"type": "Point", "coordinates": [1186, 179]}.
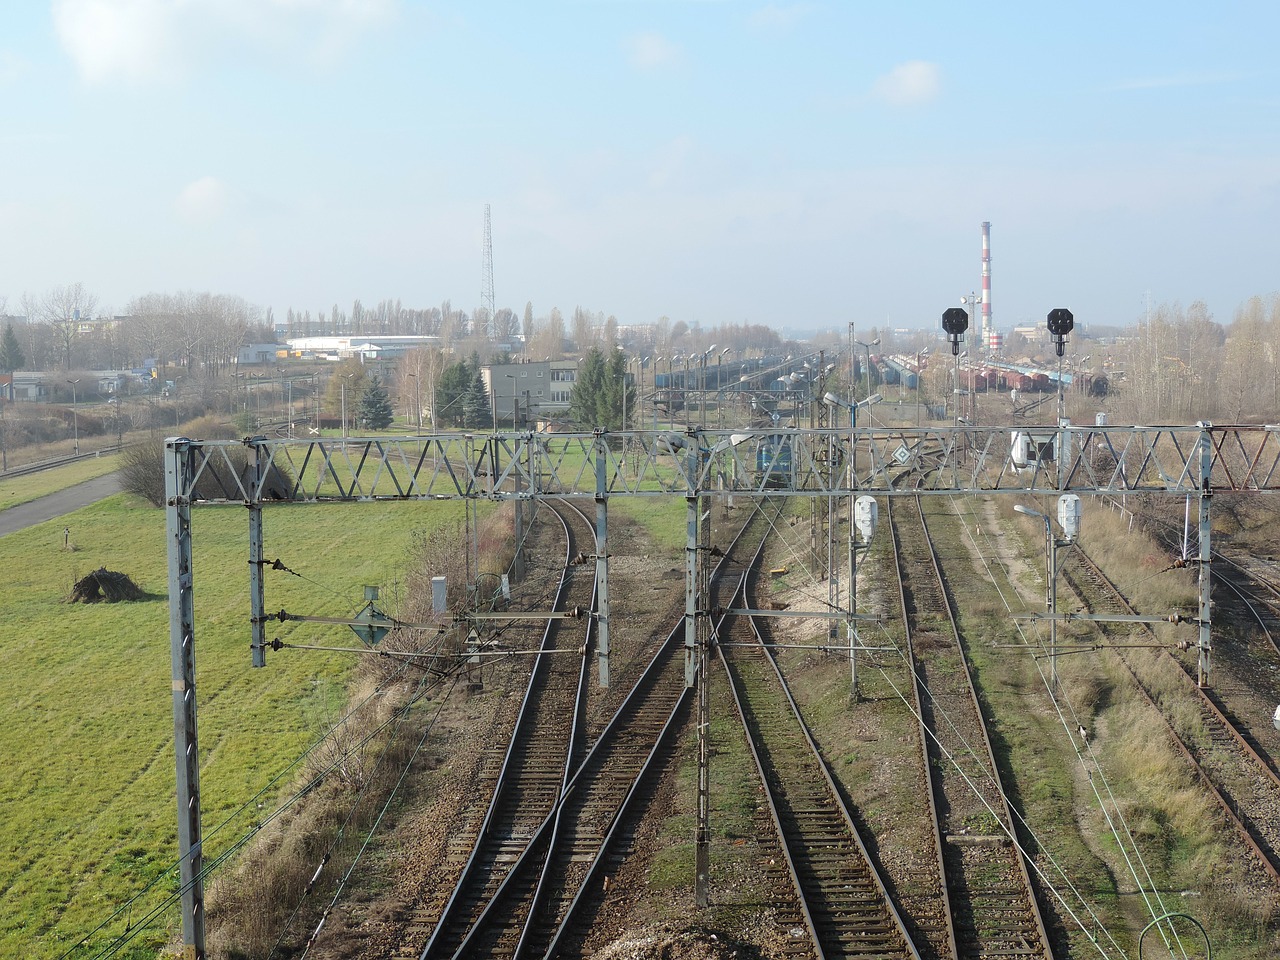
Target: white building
{"type": "Point", "coordinates": [365, 346]}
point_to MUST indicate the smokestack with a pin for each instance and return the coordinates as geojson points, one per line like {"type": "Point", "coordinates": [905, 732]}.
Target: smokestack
{"type": "Point", "coordinates": [986, 284]}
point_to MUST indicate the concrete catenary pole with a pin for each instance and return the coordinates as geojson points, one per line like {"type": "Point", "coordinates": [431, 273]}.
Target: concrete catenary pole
{"type": "Point", "coordinates": [182, 654]}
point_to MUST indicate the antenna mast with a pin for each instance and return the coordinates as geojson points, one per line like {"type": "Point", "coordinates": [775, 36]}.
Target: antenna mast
{"type": "Point", "coordinates": [486, 280]}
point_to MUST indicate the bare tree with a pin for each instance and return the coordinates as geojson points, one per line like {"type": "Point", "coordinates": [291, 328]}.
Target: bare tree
{"type": "Point", "coordinates": [1240, 389]}
{"type": "Point", "coordinates": [548, 337]}
{"type": "Point", "coordinates": [63, 308]}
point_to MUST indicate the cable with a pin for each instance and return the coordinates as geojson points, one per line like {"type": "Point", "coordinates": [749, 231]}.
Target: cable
{"type": "Point", "coordinates": [342, 883]}
{"type": "Point", "coordinates": [230, 818]}
{"type": "Point", "coordinates": [1107, 811]}
{"type": "Point", "coordinates": [973, 787]}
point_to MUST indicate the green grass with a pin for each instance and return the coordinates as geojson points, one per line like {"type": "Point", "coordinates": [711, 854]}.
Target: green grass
{"type": "Point", "coordinates": [665, 519]}
{"type": "Point", "coordinates": [16, 490]}
{"type": "Point", "coordinates": [86, 730]}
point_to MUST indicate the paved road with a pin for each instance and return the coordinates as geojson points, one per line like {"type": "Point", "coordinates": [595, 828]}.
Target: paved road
{"type": "Point", "coordinates": [56, 504]}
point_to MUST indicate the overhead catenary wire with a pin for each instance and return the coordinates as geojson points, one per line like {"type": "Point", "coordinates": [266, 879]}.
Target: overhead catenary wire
{"type": "Point", "coordinates": [249, 805]}
{"type": "Point", "coordinates": [213, 863]}
{"type": "Point", "coordinates": [973, 787]}
{"type": "Point", "coordinates": [1109, 806]}
{"type": "Point", "coordinates": [341, 833]}
{"type": "Point", "coordinates": [995, 784]}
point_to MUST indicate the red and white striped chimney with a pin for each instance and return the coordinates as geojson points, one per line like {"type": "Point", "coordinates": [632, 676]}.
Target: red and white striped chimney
{"type": "Point", "coordinates": [986, 284]}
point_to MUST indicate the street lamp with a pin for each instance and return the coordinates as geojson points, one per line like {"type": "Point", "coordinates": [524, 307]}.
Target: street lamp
{"type": "Point", "coordinates": [1069, 520]}
{"type": "Point", "coordinates": [640, 398]}
{"type": "Point", "coordinates": [342, 385]}
{"type": "Point", "coordinates": [75, 421]}
{"type": "Point", "coordinates": [720, 388]}
{"type": "Point", "coordinates": [920, 355]}
{"type": "Point", "coordinates": [867, 369]}
{"type": "Point", "coordinates": [657, 363]}
{"type": "Point", "coordinates": [972, 301]}
{"type": "Point", "coordinates": [515, 401]}
{"type": "Point", "coordinates": [833, 401]}
{"type": "Point", "coordinates": [702, 386]}
{"type": "Point", "coordinates": [684, 392]}
{"type": "Point", "coordinates": [417, 400]}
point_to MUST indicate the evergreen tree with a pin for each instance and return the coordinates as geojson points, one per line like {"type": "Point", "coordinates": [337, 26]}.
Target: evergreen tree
{"type": "Point", "coordinates": [601, 392]}
{"type": "Point", "coordinates": [477, 412]}
{"type": "Point", "coordinates": [585, 404]}
{"type": "Point", "coordinates": [375, 407]}
{"type": "Point", "coordinates": [621, 393]}
{"type": "Point", "coordinates": [11, 356]}
{"type": "Point", "coordinates": [454, 384]}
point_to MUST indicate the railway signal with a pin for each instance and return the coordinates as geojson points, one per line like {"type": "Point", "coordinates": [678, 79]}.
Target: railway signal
{"type": "Point", "coordinates": [1060, 322]}
{"type": "Point", "coordinates": [954, 322]}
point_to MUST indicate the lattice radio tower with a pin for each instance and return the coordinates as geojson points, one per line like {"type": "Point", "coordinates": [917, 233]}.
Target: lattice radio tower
{"type": "Point", "coordinates": [486, 280]}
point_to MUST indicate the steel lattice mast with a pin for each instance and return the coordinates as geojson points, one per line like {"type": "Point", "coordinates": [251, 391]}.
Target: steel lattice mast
{"type": "Point", "coordinates": [486, 280]}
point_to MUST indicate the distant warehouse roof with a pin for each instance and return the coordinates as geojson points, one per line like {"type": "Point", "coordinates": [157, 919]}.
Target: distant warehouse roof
{"type": "Point", "coordinates": [361, 345]}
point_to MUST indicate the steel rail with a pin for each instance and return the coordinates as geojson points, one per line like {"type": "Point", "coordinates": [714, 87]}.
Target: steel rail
{"type": "Point", "coordinates": [1268, 859]}
{"type": "Point", "coordinates": [663, 670]}
{"type": "Point", "coordinates": [572, 920]}
{"type": "Point", "coordinates": [845, 903]}
{"type": "Point", "coordinates": [917, 705]}
{"type": "Point", "coordinates": [536, 689]}
{"type": "Point", "coordinates": [1021, 941]}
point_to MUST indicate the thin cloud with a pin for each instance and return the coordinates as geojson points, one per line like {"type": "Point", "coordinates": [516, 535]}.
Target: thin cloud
{"type": "Point", "coordinates": [649, 51]}
{"type": "Point", "coordinates": [143, 41]}
{"type": "Point", "coordinates": [909, 84]}
{"type": "Point", "coordinates": [778, 16]}
{"type": "Point", "coordinates": [203, 201]}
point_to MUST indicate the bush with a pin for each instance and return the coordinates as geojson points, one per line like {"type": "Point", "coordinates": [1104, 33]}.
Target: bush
{"type": "Point", "coordinates": [142, 473]}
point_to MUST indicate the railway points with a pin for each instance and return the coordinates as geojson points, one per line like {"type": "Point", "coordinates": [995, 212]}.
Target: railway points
{"type": "Point", "coordinates": [699, 466]}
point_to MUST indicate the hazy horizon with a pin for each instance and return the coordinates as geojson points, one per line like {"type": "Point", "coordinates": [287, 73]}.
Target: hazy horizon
{"type": "Point", "coordinates": [799, 165]}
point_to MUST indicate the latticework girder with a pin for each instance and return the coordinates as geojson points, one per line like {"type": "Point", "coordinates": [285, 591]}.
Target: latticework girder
{"type": "Point", "coordinates": [778, 462]}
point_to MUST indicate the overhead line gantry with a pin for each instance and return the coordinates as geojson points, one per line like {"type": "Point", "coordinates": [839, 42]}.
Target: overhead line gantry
{"type": "Point", "coordinates": [698, 465]}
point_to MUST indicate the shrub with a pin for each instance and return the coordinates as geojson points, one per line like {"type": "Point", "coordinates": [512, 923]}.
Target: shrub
{"type": "Point", "coordinates": [142, 473]}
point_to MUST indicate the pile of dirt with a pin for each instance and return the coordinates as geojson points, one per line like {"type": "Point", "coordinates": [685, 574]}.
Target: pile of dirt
{"type": "Point", "coordinates": [105, 586]}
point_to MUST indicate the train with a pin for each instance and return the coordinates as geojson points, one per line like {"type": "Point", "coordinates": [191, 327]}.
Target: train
{"type": "Point", "coordinates": [773, 462]}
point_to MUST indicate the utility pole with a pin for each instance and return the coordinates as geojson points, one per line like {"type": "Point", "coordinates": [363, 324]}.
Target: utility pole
{"type": "Point", "coordinates": [182, 655]}
{"type": "Point", "coordinates": [702, 852]}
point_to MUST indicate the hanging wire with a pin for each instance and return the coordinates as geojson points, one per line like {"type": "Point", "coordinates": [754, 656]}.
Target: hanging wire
{"type": "Point", "coordinates": [342, 883]}
{"type": "Point", "coordinates": [973, 787]}
{"type": "Point", "coordinates": [212, 864]}
{"type": "Point", "coordinates": [1111, 810]}
{"type": "Point", "coordinates": [249, 804]}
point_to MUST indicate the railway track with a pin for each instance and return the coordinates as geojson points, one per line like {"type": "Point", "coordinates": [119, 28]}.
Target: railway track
{"type": "Point", "coordinates": [545, 898]}
{"type": "Point", "coordinates": [527, 783]}
{"type": "Point", "coordinates": [1249, 579]}
{"type": "Point", "coordinates": [1245, 785]}
{"type": "Point", "coordinates": [1245, 684]}
{"type": "Point", "coordinates": [990, 902]}
{"type": "Point", "coordinates": [52, 463]}
{"type": "Point", "coordinates": [842, 900]}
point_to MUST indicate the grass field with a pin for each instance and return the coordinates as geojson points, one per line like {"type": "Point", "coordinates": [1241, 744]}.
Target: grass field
{"type": "Point", "coordinates": [16, 490]}
{"type": "Point", "coordinates": [86, 729]}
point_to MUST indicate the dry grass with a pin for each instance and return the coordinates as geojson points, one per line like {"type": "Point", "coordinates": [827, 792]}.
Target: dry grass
{"type": "Point", "coordinates": [366, 737]}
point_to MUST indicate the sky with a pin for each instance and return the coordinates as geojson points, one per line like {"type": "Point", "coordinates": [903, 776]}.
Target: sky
{"type": "Point", "coordinates": [801, 165]}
